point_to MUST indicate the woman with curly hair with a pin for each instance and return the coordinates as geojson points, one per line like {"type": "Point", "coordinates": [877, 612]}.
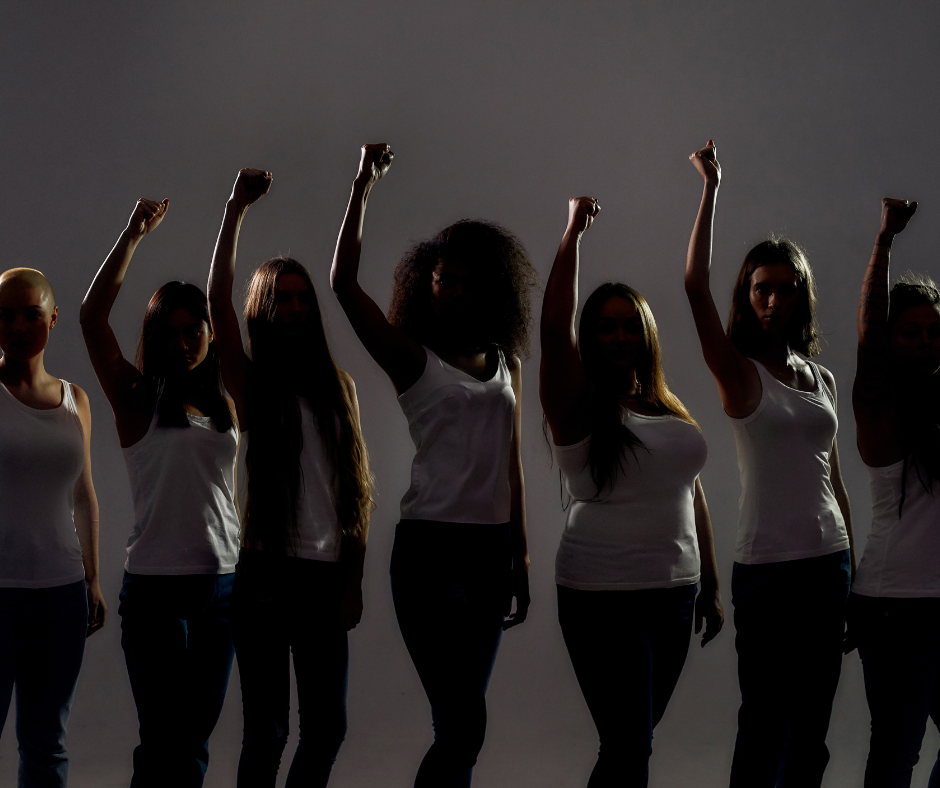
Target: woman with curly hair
{"type": "Point", "coordinates": [894, 609]}
{"type": "Point", "coordinates": [638, 538]}
{"type": "Point", "coordinates": [298, 583]}
{"type": "Point", "coordinates": [458, 321]}
{"type": "Point", "coordinates": [794, 555]}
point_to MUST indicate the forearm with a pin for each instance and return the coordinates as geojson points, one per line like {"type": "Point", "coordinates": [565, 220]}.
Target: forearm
{"type": "Point", "coordinates": [842, 498]}
{"type": "Point", "coordinates": [345, 271]}
{"type": "Point", "coordinates": [874, 298]}
{"type": "Point", "coordinates": [86, 528]}
{"type": "Point", "coordinates": [706, 540]}
{"type": "Point", "coordinates": [699, 256]}
{"type": "Point", "coordinates": [222, 271]}
{"type": "Point", "coordinates": [517, 522]}
{"type": "Point", "coordinates": [560, 303]}
{"type": "Point", "coordinates": [100, 298]}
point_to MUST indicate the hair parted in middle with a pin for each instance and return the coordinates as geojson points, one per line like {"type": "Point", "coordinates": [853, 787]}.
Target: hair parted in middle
{"type": "Point", "coordinates": [505, 314]}
{"type": "Point", "coordinates": [278, 375]}
{"type": "Point", "coordinates": [802, 331]}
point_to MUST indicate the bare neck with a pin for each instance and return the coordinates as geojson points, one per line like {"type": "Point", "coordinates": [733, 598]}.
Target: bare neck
{"type": "Point", "coordinates": [29, 374]}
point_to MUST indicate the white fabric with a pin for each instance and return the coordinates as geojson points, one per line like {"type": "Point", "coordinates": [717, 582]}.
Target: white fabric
{"type": "Point", "coordinates": [318, 527]}
{"type": "Point", "coordinates": [902, 556]}
{"type": "Point", "coordinates": [183, 488]}
{"type": "Point", "coordinates": [640, 531]}
{"type": "Point", "coordinates": [42, 454]}
{"type": "Point", "coordinates": [462, 431]}
{"type": "Point", "coordinates": [788, 508]}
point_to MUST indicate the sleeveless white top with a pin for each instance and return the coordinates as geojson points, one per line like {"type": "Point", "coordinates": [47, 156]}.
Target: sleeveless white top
{"type": "Point", "coordinates": [462, 430]}
{"type": "Point", "coordinates": [788, 508]}
{"type": "Point", "coordinates": [183, 488]}
{"type": "Point", "coordinates": [902, 556]}
{"type": "Point", "coordinates": [318, 528]}
{"type": "Point", "coordinates": [639, 532]}
{"type": "Point", "coordinates": [42, 454]}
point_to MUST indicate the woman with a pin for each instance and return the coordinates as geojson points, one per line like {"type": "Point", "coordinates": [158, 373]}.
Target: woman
{"type": "Point", "coordinates": [180, 443]}
{"type": "Point", "coordinates": [459, 316]}
{"type": "Point", "coordinates": [793, 559]}
{"type": "Point", "coordinates": [894, 609]}
{"type": "Point", "coordinates": [298, 584]}
{"type": "Point", "coordinates": [50, 597]}
{"type": "Point", "coordinates": [638, 536]}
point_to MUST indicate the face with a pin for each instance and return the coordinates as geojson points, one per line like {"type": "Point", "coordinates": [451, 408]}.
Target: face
{"type": "Point", "coordinates": [26, 318]}
{"type": "Point", "coordinates": [293, 304]}
{"type": "Point", "coordinates": [620, 336]}
{"type": "Point", "coordinates": [187, 340]}
{"type": "Point", "coordinates": [773, 295]}
{"type": "Point", "coordinates": [915, 338]}
{"type": "Point", "coordinates": [453, 288]}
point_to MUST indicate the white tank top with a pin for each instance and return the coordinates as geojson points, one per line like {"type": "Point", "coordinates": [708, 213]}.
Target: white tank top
{"type": "Point", "coordinates": [183, 488]}
{"type": "Point", "coordinates": [902, 556]}
{"type": "Point", "coordinates": [42, 454]}
{"type": "Point", "coordinates": [318, 528]}
{"type": "Point", "coordinates": [788, 508]}
{"type": "Point", "coordinates": [639, 532]}
{"type": "Point", "coordinates": [462, 431]}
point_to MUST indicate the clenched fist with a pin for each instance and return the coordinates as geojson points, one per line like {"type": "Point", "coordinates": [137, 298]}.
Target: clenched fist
{"type": "Point", "coordinates": [146, 217]}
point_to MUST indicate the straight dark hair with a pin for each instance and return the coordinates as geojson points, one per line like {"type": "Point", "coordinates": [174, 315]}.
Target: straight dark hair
{"type": "Point", "coordinates": [168, 384]}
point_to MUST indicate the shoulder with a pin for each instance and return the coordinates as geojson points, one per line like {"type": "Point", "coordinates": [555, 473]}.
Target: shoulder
{"type": "Point", "coordinates": [347, 381]}
{"type": "Point", "coordinates": [513, 362]}
{"type": "Point", "coordinates": [82, 406]}
{"type": "Point", "coordinates": [230, 404]}
{"type": "Point", "coordinates": [828, 378]}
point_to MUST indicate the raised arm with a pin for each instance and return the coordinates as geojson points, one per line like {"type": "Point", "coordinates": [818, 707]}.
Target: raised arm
{"type": "Point", "coordinates": [562, 383]}
{"type": "Point", "coordinates": [118, 377]}
{"type": "Point", "coordinates": [737, 378]}
{"type": "Point", "coordinates": [402, 359]}
{"type": "Point", "coordinates": [877, 442]}
{"type": "Point", "coordinates": [250, 186]}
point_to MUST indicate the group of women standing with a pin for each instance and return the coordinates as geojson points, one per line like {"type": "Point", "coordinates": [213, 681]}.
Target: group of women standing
{"type": "Point", "coordinates": [209, 578]}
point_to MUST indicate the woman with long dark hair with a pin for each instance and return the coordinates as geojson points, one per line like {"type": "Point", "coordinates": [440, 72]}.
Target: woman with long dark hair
{"type": "Point", "coordinates": [458, 320]}
{"type": "Point", "coordinates": [298, 584]}
{"type": "Point", "coordinates": [638, 537]}
{"type": "Point", "coordinates": [894, 609]}
{"type": "Point", "coordinates": [50, 596]}
{"type": "Point", "coordinates": [794, 556]}
{"type": "Point", "coordinates": [180, 443]}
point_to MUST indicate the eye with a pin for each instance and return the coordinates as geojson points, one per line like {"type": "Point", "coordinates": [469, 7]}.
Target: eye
{"type": "Point", "coordinates": [606, 327]}
{"type": "Point", "coordinates": [934, 331]}
{"type": "Point", "coordinates": [910, 331]}
{"type": "Point", "coordinates": [787, 290]}
{"type": "Point", "coordinates": [762, 289]}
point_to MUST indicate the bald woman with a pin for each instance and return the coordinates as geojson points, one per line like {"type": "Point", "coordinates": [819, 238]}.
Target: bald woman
{"type": "Point", "coordinates": [50, 599]}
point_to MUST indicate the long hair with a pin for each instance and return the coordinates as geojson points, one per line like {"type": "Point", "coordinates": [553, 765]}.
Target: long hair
{"type": "Point", "coordinates": [918, 413]}
{"type": "Point", "coordinates": [504, 268]}
{"type": "Point", "coordinates": [802, 332]}
{"type": "Point", "coordinates": [277, 377]}
{"type": "Point", "coordinates": [610, 437]}
{"type": "Point", "coordinates": [168, 383]}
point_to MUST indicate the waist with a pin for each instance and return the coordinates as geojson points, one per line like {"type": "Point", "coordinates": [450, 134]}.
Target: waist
{"type": "Point", "coordinates": [434, 543]}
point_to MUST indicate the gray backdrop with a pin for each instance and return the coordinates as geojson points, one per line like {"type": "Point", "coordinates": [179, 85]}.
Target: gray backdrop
{"type": "Point", "coordinates": [497, 110]}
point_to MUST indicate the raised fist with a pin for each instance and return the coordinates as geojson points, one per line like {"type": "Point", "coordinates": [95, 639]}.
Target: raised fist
{"type": "Point", "coordinates": [706, 162]}
{"type": "Point", "coordinates": [895, 214]}
{"type": "Point", "coordinates": [581, 213]}
{"type": "Point", "coordinates": [147, 216]}
{"type": "Point", "coordinates": [250, 186]}
{"type": "Point", "coordinates": [375, 161]}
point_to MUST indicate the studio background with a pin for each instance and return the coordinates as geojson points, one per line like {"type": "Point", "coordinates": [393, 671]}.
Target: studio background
{"type": "Point", "coordinates": [496, 110]}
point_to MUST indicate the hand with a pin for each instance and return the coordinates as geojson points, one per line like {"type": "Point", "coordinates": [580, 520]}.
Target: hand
{"type": "Point", "coordinates": [520, 590]}
{"type": "Point", "coordinates": [375, 161]}
{"type": "Point", "coordinates": [250, 186]}
{"type": "Point", "coordinates": [895, 214]}
{"type": "Point", "coordinates": [581, 213]}
{"type": "Point", "coordinates": [706, 162]}
{"type": "Point", "coordinates": [708, 608]}
{"type": "Point", "coordinates": [350, 606]}
{"type": "Point", "coordinates": [146, 217]}
{"type": "Point", "coordinates": [97, 609]}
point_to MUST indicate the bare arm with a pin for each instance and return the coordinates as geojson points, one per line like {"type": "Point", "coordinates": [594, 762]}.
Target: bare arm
{"type": "Point", "coordinates": [562, 382]}
{"type": "Point", "coordinates": [708, 603]}
{"type": "Point", "coordinates": [737, 378]}
{"type": "Point", "coordinates": [351, 605]}
{"type": "Point", "coordinates": [520, 549]}
{"type": "Point", "coordinates": [120, 380]}
{"type": "Point", "coordinates": [835, 471]}
{"type": "Point", "coordinates": [86, 521]}
{"type": "Point", "coordinates": [250, 186]}
{"type": "Point", "coordinates": [402, 359]}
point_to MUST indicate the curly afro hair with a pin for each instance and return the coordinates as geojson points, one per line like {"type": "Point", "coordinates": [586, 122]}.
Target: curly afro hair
{"type": "Point", "coordinates": [505, 314]}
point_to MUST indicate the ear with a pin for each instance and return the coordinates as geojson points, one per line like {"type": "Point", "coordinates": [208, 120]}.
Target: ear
{"type": "Point", "coordinates": [55, 317]}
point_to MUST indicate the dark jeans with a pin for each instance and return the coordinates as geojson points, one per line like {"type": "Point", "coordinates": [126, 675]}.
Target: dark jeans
{"type": "Point", "coordinates": [42, 640]}
{"type": "Point", "coordinates": [899, 643]}
{"type": "Point", "coordinates": [627, 649]}
{"type": "Point", "coordinates": [177, 644]}
{"type": "Point", "coordinates": [450, 585]}
{"type": "Point", "coordinates": [790, 622]}
{"type": "Point", "coordinates": [283, 605]}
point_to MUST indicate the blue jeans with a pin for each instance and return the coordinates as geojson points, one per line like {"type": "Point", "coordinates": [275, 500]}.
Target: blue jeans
{"type": "Point", "coordinates": [627, 649]}
{"type": "Point", "coordinates": [177, 644]}
{"type": "Point", "coordinates": [899, 643]}
{"type": "Point", "coordinates": [42, 640]}
{"type": "Point", "coordinates": [790, 622]}
{"type": "Point", "coordinates": [450, 585]}
{"type": "Point", "coordinates": [283, 605]}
